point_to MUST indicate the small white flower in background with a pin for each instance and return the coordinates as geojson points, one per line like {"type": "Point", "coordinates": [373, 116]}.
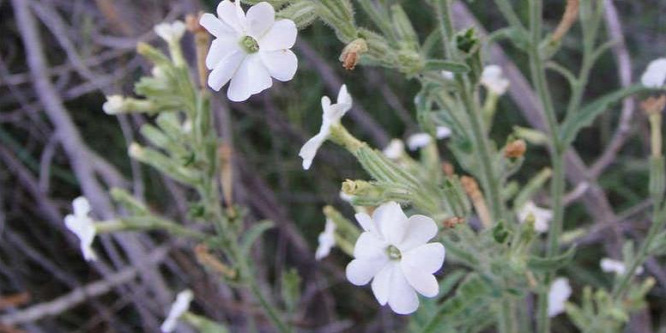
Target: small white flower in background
{"type": "Point", "coordinates": [332, 113]}
{"type": "Point", "coordinates": [395, 149]}
{"type": "Point", "coordinates": [249, 49]}
{"type": "Point", "coordinates": [615, 266]}
{"type": "Point", "coordinates": [179, 307]}
{"type": "Point", "coordinates": [171, 32]}
{"type": "Point", "coordinates": [420, 140]}
{"type": "Point", "coordinates": [655, 74]}
{"type": "Point", "coordinates": [82, 226]}
{"type": "Point", "coordinates": [326, 240]}
{"type": "Point", "coordinates": [114, 104]}
{"type": "Point", "coordinates": [493, 79]}
{"type": "Point", "coordinates": [393, 251]}
{"type": "Point", "coordinates": [542, 217]}
{"type": "Point", "coordinates": [559, 293]}
{"type": "Point", "coordinates": [448, 75]}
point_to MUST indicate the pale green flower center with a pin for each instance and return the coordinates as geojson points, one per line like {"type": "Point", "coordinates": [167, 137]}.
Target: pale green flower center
{"type": "Point", "coordinates": [249, 44]}
{"type": "Point", "coordinates": [393, 253]}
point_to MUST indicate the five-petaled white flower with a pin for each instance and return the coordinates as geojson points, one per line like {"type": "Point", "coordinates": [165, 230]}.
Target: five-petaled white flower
{"type": "Point", "coordinates": [249, 49]}
{"type": "Point", "coordinates": [655, 74]}
{"type": "Point", "coordinates": [326, 240]}
{"type": "Point", "coordinates": [542, 217]}
{"type": "Point", "coordinates": [179, 307]}
{"type": "Point", "coordinates": [393, 252]}
{"type": "Point", "coordinates": [559, 293]}
{"type": "Point", "coordinates": [171, 32]}
{"type": "Point", "coordinates": [420, 140]}
{"type": "Point", "coordinates": [332, 113]}
{"type": "Point", "coordinates": [82, 226]}
{"type": "Point", "coordinates": [395, 149]}
{"type": "Point", "coordinates": [493, 79]}
{"type": "Point", "coordinates": [609, 265]}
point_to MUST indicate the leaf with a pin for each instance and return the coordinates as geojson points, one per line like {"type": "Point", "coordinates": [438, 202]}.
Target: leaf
{"type": "Point", "coordinates": [551, 264]}
{"type": "Point", "coordinates": [253, 234]}
{"type": "Point", "coordinates": [445, 65]}
{"type": "Point", "coordinates": [576, 122]}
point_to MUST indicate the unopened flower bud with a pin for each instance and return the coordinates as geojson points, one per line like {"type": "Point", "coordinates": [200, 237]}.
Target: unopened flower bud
{"type": "Point", "coordinates": [114, 104]}
{"type": "Point", "coordinates": [351, 54]}
{"type": "Point", "coordinates": [170, 32]}
{"type": "Point", "coordinates": [515, 149]}
{"type": "Point", "coordinates": [453, 222]}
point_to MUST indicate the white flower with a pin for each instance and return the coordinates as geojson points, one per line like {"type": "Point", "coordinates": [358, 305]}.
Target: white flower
{"type": "Point", "coordinates": [114, 104]}
{"type": "Point", "coordinates": [655, 74]}
{"type": "Point", "coordinates": [448, 75]}
{"type": "Point", "coordinates": [420, 140]}
{"type": "Point", "coordinates": [326, 240]}
{"type": "Point", "coordinates": [332, 113]}
{"type": "Point", "coordinates": [493, 79]}
{"type": "Point", "coordinates": [615, 266]}
{"type": "Point", "coordinates": [559, 293]}
{"type": "Point", "coordinates": [393, 252]}
{"type": "Point", "coordinates": [179, 307]}
{"type": "Point", "coordinates": [171, 32]}
{"type": "Point", "coordinates": [395, 149]}
{"type": "Point", "coordinates": [249, 49]}
{"type": "Point", "coordinates": [82, 226]}
{"type": "Point", "coordinates": [542, 217]}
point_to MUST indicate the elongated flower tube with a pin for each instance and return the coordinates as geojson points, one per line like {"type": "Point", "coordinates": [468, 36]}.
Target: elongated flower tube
{"type": "Point", "coordinates": [393, 252]}
{"type": "Point", "coordinates": [332, 113]}
{"type": "Point", "coordinates": [249, 49]}
{"type": "Point", "coordinates": [82, 226]}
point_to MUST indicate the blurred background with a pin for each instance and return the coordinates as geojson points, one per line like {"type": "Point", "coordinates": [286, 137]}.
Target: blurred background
{"type": "Point", "coordinates": [58, 60]}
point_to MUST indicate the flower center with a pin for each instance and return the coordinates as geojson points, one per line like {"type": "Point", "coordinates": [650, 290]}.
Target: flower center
{"type": "Point", "coordinates": [393, 253]}
{"type": "Point", "coordinates": [249, 44]}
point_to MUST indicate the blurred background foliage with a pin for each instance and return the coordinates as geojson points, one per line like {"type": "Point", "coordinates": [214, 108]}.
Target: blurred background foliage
{"type": "Point", "coordinates": [40, 260]}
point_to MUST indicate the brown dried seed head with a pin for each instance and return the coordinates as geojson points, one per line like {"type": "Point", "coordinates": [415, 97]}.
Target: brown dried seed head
{"type": "Point", "coordinates": [351, 54]}
{"type": "Point", "coordinates": [453, 222]}
{"type": "Point", "coordinates": [654, 105]}
{"type": "Point", "coordinates": [515, 149]}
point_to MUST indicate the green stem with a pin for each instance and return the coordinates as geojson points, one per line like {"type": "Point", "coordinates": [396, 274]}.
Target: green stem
{"type": "Point", "coordinates": [506, 319]}
{"type": "Point", "coordinates": [557, 155]}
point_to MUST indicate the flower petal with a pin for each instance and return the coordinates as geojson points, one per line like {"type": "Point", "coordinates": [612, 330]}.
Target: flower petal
{"type": "Point", "coordinates": [420, 229]}
{"type": "Point", "coordinates": [381, 284]}
{"type": "Point", "coordinates": [360, 271]}
{"type": "Point", "coordinates": [251, 78]}
{"type": "Point", "coordinates": [427, 258]}
{"type": "Point", "coordinates": [281, 64]}
{"type": "Point", "coordinates": [366, 222]}
{"type": "Point", "coordinates": [225, 70]}
{"type": "Point", "coordinates": [216, 27]}
{"type": "Point", "coordinates": [391, 221]}
{"type": "Point", "coordinates": [310, 148]}
{"type": "Point", "coordinates": [369, 245]}
{"type": "Point", "coordinates": [402, 297]}
{"type": "Point", "coordinates": [559, 293]}
{"type": "Point", "coordinates": [221, 48]}
{"type": "Point", "coordinates": [282, 35]}
{"type": "Point", "coordinates": [81, 206]}
{"type": "Point", "coordinates": [424, 283]}
{"type": "Point", "coordinates": [232, 15]}
{"type": "Point", "coordinates": [344, 97]}
{"type": "Point", "coordinates": [259, 19]}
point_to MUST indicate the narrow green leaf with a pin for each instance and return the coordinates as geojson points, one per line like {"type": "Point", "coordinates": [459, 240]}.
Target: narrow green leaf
{"type": "Point", "coordinates": [445, 65]}
{"type": "Point", "coordinates": [253, 234]}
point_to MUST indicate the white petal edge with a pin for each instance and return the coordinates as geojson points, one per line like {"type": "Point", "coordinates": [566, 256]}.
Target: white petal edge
{"type": "Point", "coordinates": [391, 221]}
{"type": "Point", "coordinates": [420, 229]}
{"type": "Point", "coordinates": [427, 258]}
{"type": "Point", "coordinates": [251, 78]}
{"type": "Point", "coordinates": [402, 297]}
{"type": "Point", "coordinates": [281, 36]}
{"type": "Point", "coordinates": [225, 70]}
{"type": "Point", "coordinates": [281, 64]}
{"type": "Point", "coordinates": [259, 19]}
{"type": "Point", "coordinates": [381, 284]}
{"type": "Point", "coordinates": [360, 271]}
